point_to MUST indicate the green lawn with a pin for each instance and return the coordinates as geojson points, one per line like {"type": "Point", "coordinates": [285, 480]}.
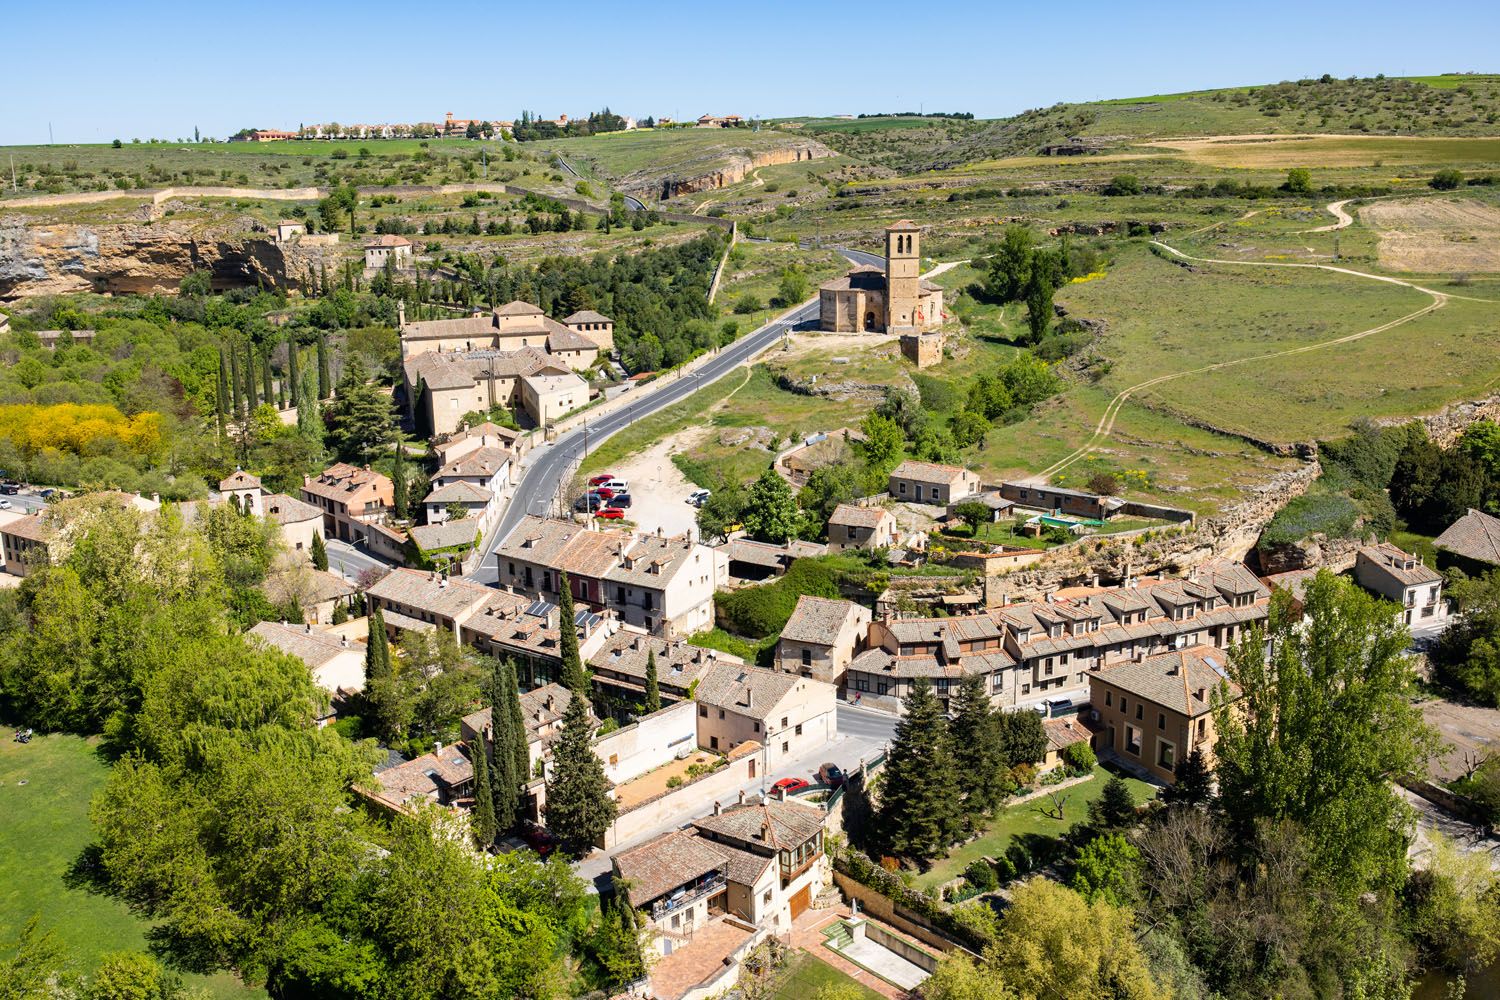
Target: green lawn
{"type": "Point", "coordinates": [44, 828]}
{"type": "Point", "coordinates": [806, 974]}
{"type": "Point", "coordinates": [1027, 819]}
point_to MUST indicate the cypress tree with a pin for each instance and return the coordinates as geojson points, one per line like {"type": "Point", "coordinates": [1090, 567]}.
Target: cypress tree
{"type": "Point", "coordinates": [484, 806]}
{"type": "Point", "coordinates": [293, 377]}
{"type": "Point", "coordinates": [309, 413]}
{"type": "Point", "coordinates": [919, 807]}
{"type": "Point", "coordinates": [234, 383]}
{"type": "Point", "coordinates": [400, 486]}
{"type": "Point", "coordinates": [579, 808]}
{"type": "Point", "coordinates": [325, 381]}
{"type": "Point", "coordinates": [653, 692]}
{"type": "Point", "coordinates": [249, 394]}
{"type": "Point", "coordinates": [221, 403]}
{"type": "Point", "coordinates": [319, 552]}
{"type": "Point", "coordinates": [976, 747]}
{"type": "Point", "coordinates": [573, 676]}
{"type": "Point", "coordinates": [505, 784]}
{"type": "Point", "coordinates": [266, 392]}
{"type": "Point", "coordinates": [377, 650]}
{"type": "Point", "coordinates": [515, 724]}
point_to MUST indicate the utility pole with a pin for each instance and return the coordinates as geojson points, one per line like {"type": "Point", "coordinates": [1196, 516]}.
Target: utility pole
{"type": "Point", "coordinates": [49, 133]}
{"type": "Point", "coordinates": [13, 185]}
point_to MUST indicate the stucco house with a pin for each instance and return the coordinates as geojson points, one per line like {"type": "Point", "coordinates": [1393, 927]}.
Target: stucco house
{"type": "Point", "coordinates": [821, 638]}
{"type": "Point", "coordinates": [351, 499]}
{"type": "Point", "coordinates": [388, 247]}
{"type": "Point", "coordinates": [336, 663]}
{"type": "Point", "coordinates": [851, 526]}
{"type": "Point", "coordinates": [1401, 577]}
{"type": "Point", "coordinates": [931, 483]}
{"type": "Point", "coordinates": [787, 714]}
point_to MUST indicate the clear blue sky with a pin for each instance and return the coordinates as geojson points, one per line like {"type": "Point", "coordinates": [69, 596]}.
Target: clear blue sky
{"type": "Point", "coordinates": [98, 70]}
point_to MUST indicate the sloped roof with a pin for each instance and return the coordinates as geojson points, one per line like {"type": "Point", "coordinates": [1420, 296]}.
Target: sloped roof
{"type": "Point", "coordinates": [283, 509]}
{"type": "Point", "coordinates": [1173, 680]}
{"type": "Point", "coordinates": [777, 825]}
{"type": "Point", "coordinates": [819, 619]}
{"type": "Point", "coordinates": [928, 472]}
{"type": "Point", "coordinates": [564, 339]}
{"type": "Point", "coordinates": [747, 690]}
{"type": "Point", "coordinates": [661, 865]}
{"type": "Point", "coordinates": [449, 534]}
{"type": "Point", "coordinates": [587, 316]}
{"type": "Point", "coordinates": [461, 491]}
{"type": "Point", "coordinates": [311, 646]}
{"type": "Point", "coordinates": [1475, 536]}
{"type": "Point", "coordinates": [518, 308]}
{"type": "Point", "coordinates": [858, 517]}
{"type": "Point", "coordinates": [240, 480]}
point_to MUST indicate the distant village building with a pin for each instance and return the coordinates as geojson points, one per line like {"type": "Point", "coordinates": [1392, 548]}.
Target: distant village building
{"type": "Point", "coordinates": [1401, 577]}
{"type": "Point", "coordinates": [854, 527]}
{"type": "Point", "coordinates": [51, 338]}
{"type": "Point", "coordinates": [821, 638]}
{"type": "Point", "coordinates": [388, 246]}
{"type": "Point", "coordinates": [287, 228]}
{"type": "Point", "coordinates": [931, 483]}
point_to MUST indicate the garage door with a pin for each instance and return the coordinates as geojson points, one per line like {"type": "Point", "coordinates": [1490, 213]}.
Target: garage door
{"type": "Point", "coordinates": [801, 901]}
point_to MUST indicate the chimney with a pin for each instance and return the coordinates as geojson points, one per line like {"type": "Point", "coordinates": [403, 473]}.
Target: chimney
{"type": "Point", "coordinates": [400, 313]}
{"type": "Point", "coordinates": [719, 809]}
{"type": "Point", "coordinates": [344, 641]}
{"type": "Point", "coordinates": [438, 747]}
{"type": "Point", "coordinates": [765, 830]}
{"type": "Point", "coordinates": [548, 703]}
{"type": "Point", "coordinates": [742, 796]}
{"type": "Point", "coordinates": [489, 734]}
{"type": "Point", "coordinates": [307, 627]}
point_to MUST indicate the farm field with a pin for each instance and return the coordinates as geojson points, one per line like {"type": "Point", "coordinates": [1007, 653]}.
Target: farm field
{"type": "Point", "coordinates": [1263, 151]}
{"type": "Point", "coordinates": [1432, 234]}
{"type": "Point", "coordinates": [45, 788]}
{"type": "Point", "coordinates": [627, 156]}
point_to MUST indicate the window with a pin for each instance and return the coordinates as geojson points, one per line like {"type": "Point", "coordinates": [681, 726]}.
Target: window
{"type": "Point", "coordinates": [1140, 710]}
{"type": "Point", "coordinates": [1025, 688]}
{"type": "Point", "coordinates": [721, 713]}
{"type": "Point", "coordinates": [785, 747]}
{"type": "Point", "coordinates": [1166, 755]}
{"type": "Point", "coordinates": [703, 711]}
{"type": "Point", "coordinates": [1133, 740]}
{"type": "Point", "coordinates": [1123, 706]}
{"type": "Point", "coordinates": [755, 726]}
{"type": "Point", "coordinates": [783, 722]}
{"type": "Point", "coordinates": [798, 730]}
{"type": "Point", "coordinates": [1202, 728]}
{"type": "Point", "coordinates": [1109, 699]}
{"type": "Point", "coordinates": [1161, 721]}
{"type": "Point", "coordinates": [713, 743]}
{"type": "Point", "coordinates": [807, 657]}
{"type": "Point", "coordinates": [861, 684]}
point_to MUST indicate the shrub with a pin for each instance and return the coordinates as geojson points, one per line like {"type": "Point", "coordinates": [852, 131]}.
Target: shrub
{"type": "Point", "coordinates": [1019, 858]}
{"type": "Point", "coordinates": [1122, 184]}
{"type": "Point", "coordinates": [1023, 774]}
{"type": "Point", "coordinates": [1103, 483]}
{"type": "Point", "coordinates": [761, 611]}
{"type": "Point", "coordinates": [1079, 757]}
{"type": "Point", "coordinates": [1331, 514]}
{"type": "Point", "coordinates": [747, 303]}
{"type": "Point", "coordinates": [1446, 179]}
{"type": "Point", "coordinates": [1005, 869]}
{"type": "Point", "coordinates": [674, 781]}
{"type": "Point", "coordinates": [981, 876]}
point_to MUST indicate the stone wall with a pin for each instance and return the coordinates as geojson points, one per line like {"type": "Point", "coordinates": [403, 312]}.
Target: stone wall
{"type": "Point", "coordinates": [736, 166]}
{"type": "Point", "coordinates": [882, 908]}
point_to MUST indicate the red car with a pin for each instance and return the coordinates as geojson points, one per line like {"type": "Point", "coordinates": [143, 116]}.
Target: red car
{"type": "Point", "coordinates": [789, 785]}
{"type": "Point", "coordinates": [538, 839]}
{"type": "Point", "coordinates": [611, 514]}
{"type": "Point", "coordinates": [605, 492]}
{"type": "Point", "coordinates": [600, 479]}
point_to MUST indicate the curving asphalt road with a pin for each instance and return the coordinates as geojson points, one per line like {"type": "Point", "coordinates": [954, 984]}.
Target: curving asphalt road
{"type": "Point", "coordinates": [634, 204]}
{"type": "Point", "coordinates": [552, 464]}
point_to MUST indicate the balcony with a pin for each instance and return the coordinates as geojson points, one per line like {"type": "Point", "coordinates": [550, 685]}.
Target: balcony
{"type": "Point", "coordinates": [689, 894]}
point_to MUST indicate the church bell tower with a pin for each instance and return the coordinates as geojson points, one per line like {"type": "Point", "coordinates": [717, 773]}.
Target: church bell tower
{"type": "Point", "coordinates": [903, 275]}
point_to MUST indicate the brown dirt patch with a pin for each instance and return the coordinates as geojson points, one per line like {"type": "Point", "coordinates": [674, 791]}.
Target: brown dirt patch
{"type": "Point", "coordinates": [1436, 235]}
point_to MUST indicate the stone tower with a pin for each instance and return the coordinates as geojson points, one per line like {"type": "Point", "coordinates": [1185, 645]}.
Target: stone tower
{"type": "Point", "coordinates": [903, 275]}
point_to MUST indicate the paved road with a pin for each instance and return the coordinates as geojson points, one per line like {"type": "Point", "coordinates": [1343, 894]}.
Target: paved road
{"type": "Point", "coordinates": [23, 503]}
{"type": "Point", "coordinates": [634, 204]}
{"type": "Point", "coordinates": [552, 464]}
{"type": "Point", "coordinates": [349, 562]}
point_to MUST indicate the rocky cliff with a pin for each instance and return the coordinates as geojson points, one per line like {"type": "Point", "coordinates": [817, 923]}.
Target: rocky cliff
{"type": "Point", "coordinates": [136, 257]}
{"type": "Point", "coordinates": [730, 169]}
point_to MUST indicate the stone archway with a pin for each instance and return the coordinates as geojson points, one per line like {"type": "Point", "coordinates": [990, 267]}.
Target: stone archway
{"type": "Point", "coordinates": [869, 322]}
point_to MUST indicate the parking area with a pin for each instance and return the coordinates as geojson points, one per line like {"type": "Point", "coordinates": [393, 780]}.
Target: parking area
{"type": "Point", "coordinates": [658, 489]}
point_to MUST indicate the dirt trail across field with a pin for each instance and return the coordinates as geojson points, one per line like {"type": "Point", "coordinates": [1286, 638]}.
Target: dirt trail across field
{"type": "Point", "coordinates": [1106, 424]}
{"type": "Point", "coordinates": [1345, 219]}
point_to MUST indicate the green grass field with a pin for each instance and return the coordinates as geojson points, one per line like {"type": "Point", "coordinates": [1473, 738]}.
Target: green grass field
{"type": "Point", "coordinates": [1028, 820]}
{"type": "Point", "coordinates": [805, 975]}
{"type": "Point", "coordinates": [45, 788]}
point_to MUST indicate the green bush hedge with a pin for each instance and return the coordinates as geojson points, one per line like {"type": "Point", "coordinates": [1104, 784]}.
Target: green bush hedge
{"type": "Point", "coordinates": [1331, 514]}
{"type": "Point", "coordinates": [758, 612]}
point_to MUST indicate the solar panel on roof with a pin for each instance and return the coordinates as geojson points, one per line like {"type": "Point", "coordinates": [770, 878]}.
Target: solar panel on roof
{"type": "Point", "coordinates": [539, 609]}
{"type": "Point", "coordinates": [586, 619]}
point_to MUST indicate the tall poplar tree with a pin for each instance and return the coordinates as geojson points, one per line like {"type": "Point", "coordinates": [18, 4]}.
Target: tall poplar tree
{"type": "Point", "coordinates": [574, 678]}
{"type": "Point", "coordinates": [579, 808]}
{"type": "Point", "coordinates": [919, 802]}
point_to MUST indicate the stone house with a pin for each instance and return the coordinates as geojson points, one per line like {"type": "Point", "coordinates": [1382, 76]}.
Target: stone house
{"type": "Point", "coordinates": [930, 483]}
{"type": "Point", "coordinates": [1155, 711]}
{"type": "Point", "coordinates": [821, 638]}
{"type": "Point", "coordinates": [787, 714]}
{"type": "Point", "coordinates": [1075, 503]}
{"type": "Point", "coordinates": [618, 665]}
{"type": "Point", "coordinates": [441, 388]}
{"type": "Point", "coordinates": [25, 541]}
{"type": "Point", "coordinates": [388, 246]}
{"type": "Point", "coordinates": [595, 326]}
{"type": "Point", "coordinates": [351, 499]}
{"type": "Point", "coordinates": [1401, 577]}
{"type": "Point", "coordinates": [336, 663]}
{"type": "Point", "coordinates": [854, 527]}
{"type": "Point", "coordinates": [664, 585]}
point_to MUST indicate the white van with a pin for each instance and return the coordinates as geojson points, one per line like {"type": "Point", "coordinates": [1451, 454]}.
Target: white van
{"type": "Point", "coordinates": [697, 497]}
{"type": "Point", "coordinates": [616, 485]}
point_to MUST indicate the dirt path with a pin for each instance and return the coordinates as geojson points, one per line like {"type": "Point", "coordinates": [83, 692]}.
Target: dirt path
{"type": "Point", "coordinates": [1106, 424]}
{"type": "Point", "coordinates": [1345, 219]}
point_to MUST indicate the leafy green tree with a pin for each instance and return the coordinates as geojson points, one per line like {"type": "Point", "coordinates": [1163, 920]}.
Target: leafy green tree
{"type": "Point", "coordinates": [968, 428]}
{"type": "Point", "coordinates": [483, 817]}
{"type": "Point", "coordinates": [1023, 738]}
{"type": "Point", "coordinates": [325, 379]}
{"type": "Point", "coordinates": [1009, 267]}
{"type": "Point", "coordinates": [36, 968]}
{"type": "Point", "coordinates": [1123, 184]}
{"type": "Point", "coordinates": [973, 513]}
{"type": "Point", "coordinates": [579, 808]}
{"type": "Point", "coordinates": [319, 552]}
{"type": "Point", "coordinates": [1039, 294]}
{"type": "Point", "coordinates": [1324, 726]}
{"type": "Point", "coordinates": [505, 781]}
{"type": "Point", "coordinates": [653, 692]}
{"type": "Point", "coordinates": [989, 396]}
{"type": "Point", "coordinates": [976, 748]}
{"type": "Point", "coordinates": [793, 287]}
{"type": "Point", "coordinates": [1108, 868]}
{"type": "Point", "coordinates": [1298, 181]}
{"type": "Point", "coordinates": [1452, 907]}
{"type": "Point", "coordinates": [132, 975]}
{"type": "Point", "coordinates": [1468, 653]}
{"type": "Point", "coordinates": [884, 442]}
{"type": "Point", "coordinates": [1029, 379]}
{"type": "Point", "coordinates": [293, 375]}
{"type": "Point", "coordinates": [617, 944]}
{"type": "Point", "coordinates": [770, 513]}
{"type": "Point", "coordinates": [722, 511]}
{"type": "Point", "coordinates": [574, 677]}
{"type": "Point", "coordinates": [920, 809]}
{"type": "Point", "coordinates": [360, 418]}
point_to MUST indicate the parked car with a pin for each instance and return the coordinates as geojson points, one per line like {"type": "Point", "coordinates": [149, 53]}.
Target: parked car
{"type": "Point", "coordinates": [790, 785]}
{"type": "Point", "coordinates": [10, 489]}
{"type": "Point", "coordinates": [5, 505]}
{"type": "Point", "coordinates": [611, 514]}
{"type": "Point", "coordinates": [588, 503]}
{"type": "Point", "coordinates": [605, 492]}
{"type": "Point", "coordinates": [697, 497]}
{"type": "Point", "coordinates": [830, 775]}
{"type": "Point", "coordinates": [538, 839]}
{"type": "Point", "coordinates": [601, 479]}
{"type": "Point", "coordinates": [621, 500]}
{"type": "Point", "coordinates": [46, 494]}
{"type": "Point", "coordinates": [618, 485]}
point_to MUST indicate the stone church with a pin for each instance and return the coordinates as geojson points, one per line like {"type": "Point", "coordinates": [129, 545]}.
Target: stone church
{"type": "Point", "coordinates": [867, 300]}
